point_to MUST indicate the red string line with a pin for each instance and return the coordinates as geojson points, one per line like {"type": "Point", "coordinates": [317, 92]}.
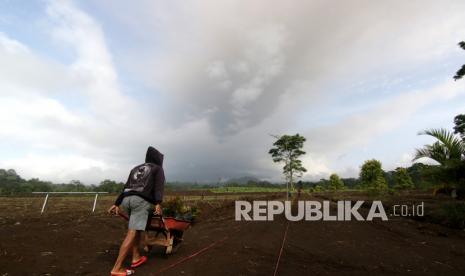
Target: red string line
{"type": "Point", "coordinates": [281, 250]}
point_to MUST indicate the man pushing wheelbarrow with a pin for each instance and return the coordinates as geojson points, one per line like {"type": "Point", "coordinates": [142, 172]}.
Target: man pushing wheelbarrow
{"type": "Point", "coordinates": [142, 191]}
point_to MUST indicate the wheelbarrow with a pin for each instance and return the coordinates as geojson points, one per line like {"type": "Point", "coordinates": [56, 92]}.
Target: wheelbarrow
{"type": "Point", "coordinates": [164, 231]}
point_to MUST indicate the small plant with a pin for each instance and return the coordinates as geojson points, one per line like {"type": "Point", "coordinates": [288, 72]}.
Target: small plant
{"type": "Point", "coordinates": [178, 209]}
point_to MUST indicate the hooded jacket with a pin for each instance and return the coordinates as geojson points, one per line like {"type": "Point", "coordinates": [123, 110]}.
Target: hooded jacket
{"type": "Point", "coordinates": [146, 180]}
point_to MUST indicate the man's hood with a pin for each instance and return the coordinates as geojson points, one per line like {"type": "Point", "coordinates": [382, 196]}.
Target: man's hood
{"type": "Point", "coordinates": [154, 156]}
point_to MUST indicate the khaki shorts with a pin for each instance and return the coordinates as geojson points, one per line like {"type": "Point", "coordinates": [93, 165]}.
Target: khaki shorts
{"type": "Point", "coordinates": [138, 210]}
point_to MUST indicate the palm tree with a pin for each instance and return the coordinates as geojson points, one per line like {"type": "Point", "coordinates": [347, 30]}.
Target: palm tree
{"type": "Point", "coordinates": [461, 72]}
{"type": "Point", "coordinates": [448, 148]}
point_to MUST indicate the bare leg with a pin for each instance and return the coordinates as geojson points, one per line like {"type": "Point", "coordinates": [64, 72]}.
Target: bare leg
{"type": "Point", "coordinates": [135, 247]}
{"type": "Point", "coordinates": [126, 246]}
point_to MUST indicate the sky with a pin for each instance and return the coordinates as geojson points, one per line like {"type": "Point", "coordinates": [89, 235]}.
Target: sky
{"type": "Point", "coordinates": [87, 86]}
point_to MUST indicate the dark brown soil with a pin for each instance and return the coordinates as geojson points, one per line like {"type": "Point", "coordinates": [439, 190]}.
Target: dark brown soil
{"type": "Point", "coordinates": [71, 241]}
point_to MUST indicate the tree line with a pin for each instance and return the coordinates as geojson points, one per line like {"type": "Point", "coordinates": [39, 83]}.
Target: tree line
{"type": "Point", "coordinates": [13, 183]}
{"type": "Point", "coordinates": [448, 152]}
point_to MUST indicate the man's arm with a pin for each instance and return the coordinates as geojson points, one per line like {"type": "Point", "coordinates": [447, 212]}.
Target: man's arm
{"type": "Point", "coordinates": [158, 186]}
{"type": "Point", "coordinates": [114, 208]}
{"type": "Point", "coordinates": [158, 189]}
{"type": "Point", "coordinates": [119, 199]}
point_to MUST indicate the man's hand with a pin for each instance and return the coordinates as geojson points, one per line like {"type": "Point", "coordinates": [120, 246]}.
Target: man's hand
{"type": "Point", "coordinates": [113, 210]}
{"type": "Point", "coordinates": [158, 210]}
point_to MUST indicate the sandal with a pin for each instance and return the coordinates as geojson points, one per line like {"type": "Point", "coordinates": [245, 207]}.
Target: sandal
{"type": "Point", "coordinates": [127, 272]}
{"type": "Point", "coordinates": [140, 262]}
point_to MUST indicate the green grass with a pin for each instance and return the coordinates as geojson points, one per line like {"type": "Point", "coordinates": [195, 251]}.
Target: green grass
{"type": "Point", "coordinates": [247, 190]}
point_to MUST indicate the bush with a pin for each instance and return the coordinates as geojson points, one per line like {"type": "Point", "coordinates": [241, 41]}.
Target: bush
{"type": "Point", "coordinates": [316, 189]}
{"type": "Point", "coordinates": [178, 209]}
{"type": "Point", "coordinates": [402, 180]}
{"type": "Point", "coordinates": [372, 176]}
{"type": "Point", "coordinates": [454, 214]}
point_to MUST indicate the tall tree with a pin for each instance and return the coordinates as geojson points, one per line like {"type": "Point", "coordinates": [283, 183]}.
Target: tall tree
{"type": "Point", "coordinates": [459, 127]}
{"type": "Point", "coordinates": [372, 176]}
{"type": "Point", "coordinates": [335, 182]}
{"type": "Point", "coordinates": [461, 72]}
{"type": "Point", "coordinates": [287, 150]}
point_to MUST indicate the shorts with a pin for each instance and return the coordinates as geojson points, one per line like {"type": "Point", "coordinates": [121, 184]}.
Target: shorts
{"type": "Point", "coordinates": [138, 210]}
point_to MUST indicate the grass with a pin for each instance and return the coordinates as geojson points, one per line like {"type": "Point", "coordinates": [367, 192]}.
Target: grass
{"type": "Point", "coordinates": [247, 190]}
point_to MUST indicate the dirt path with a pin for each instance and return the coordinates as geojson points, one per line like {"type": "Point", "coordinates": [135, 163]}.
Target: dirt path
{"type": "Point", "coordinates": [65, 244]}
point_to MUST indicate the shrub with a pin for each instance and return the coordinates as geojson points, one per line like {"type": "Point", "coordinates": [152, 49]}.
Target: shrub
{"type": "Point", "coordinates": [454, 214]}
{"type": "Point", "coordinates": [178, 209]}
{"type": "Point", "coordinates": [402, 179]}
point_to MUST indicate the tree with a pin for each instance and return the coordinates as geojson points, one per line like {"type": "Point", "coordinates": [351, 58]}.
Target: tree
{"type": "Point", "coordinates": [446, 150]}
{"type": "Point", "coordinates": [372, 176]}
{"type": "Point", "coordinates": [459, 127]}
{"type": "Point", "coordinates": [461, 72]}
{"type": "Point", "coordinates": [335, 183]}
{"type": "Point", "coordinates": [77, 185]}
{"type": "Point", "coordinates": [402, 179]}
{"type": "Point", "coordinates": [287, 150]}
{"type": "Point", "coordinates": [110, 186]}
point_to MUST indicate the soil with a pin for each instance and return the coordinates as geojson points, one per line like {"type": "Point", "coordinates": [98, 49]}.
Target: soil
{"type": "Point", "coordinates": [69, 240]}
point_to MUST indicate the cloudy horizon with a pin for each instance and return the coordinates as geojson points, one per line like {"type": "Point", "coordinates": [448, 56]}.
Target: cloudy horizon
{"type": "Point", "coordinates": [87, 86]}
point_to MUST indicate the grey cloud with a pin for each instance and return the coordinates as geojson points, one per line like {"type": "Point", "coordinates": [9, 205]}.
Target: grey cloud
{"type": "Point", "coordinates": [225, 75]}
{"type": "Point", "coordinates": [236, 59]}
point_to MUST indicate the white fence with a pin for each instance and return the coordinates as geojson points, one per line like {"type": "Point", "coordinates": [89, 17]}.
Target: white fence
{"type": "Point", "coordinates": [47, 194]}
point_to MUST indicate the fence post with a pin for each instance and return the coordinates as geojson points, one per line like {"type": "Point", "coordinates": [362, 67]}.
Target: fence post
{"type": "Point", "coordinates": [95, 202]}
{"type": "Point", "coordinates": [45, 203]}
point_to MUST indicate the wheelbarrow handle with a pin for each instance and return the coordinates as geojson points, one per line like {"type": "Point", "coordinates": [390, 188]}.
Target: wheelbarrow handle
{"type": "Point", "coordinates": [162, 219]}
{"type": "Point", "coordinates": [123, 215]}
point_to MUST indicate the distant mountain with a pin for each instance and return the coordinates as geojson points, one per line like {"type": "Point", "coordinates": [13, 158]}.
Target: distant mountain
{"type": "Point", "coordinates": [243, 180]}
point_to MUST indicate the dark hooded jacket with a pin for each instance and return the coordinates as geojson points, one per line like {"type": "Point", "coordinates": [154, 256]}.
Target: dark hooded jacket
{"type": "Point", "coordinates": [146, 180]}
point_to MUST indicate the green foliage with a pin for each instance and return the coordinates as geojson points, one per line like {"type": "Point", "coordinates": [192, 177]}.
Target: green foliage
{"type": "Point", "coordinates": [287, 150]}
{"type": "Point", "coordinates": [248, 189]}
{"type": "Point", "coordinates": [349, 183]}
{"type": "Point", "coordinates": [178, 209]}
{"type": "Point", "coordinates": [402, 180]}
{"type": "Point", "coordinates": [454, 214]}
{"type": "Point", "coordinates": [461, 72]}
{"type": "Point", "coordinates": [421, 178]}
{"type": "Point", "coordinates": [264, 184]}
{"type": "Point", "coordinates": [462, 44]}
{"type": "Point", "coordinates": [335, 183]}
{"type": "Point", "coordinates": [459, 127]}
{"type": "Point", "coordinates": [448, 151]}
{"type": "Point", "coordinates": [12, 183]}
{"type": "Point", "coordinates": [447, 148]}
{"type": "Point", "coordinates": [372, 176]}
{"type": "Point", "coordinates": [317, 188]}
{"type": "Point", "coordinates": [110, 186]}
{"type": "Point", "coordinates": [178, 186]}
